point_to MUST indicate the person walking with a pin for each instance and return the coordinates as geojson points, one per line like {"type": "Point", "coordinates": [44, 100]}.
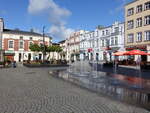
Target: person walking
{"type": "Point", "coordinates": [14, 64]}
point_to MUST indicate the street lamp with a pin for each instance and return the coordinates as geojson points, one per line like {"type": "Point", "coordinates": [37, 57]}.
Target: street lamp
{"type": "Point", "coordinates": [43, 43]}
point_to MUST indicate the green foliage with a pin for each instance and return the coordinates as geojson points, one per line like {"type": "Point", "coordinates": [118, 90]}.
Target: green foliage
{"type": "Point", "coordinates": [54, 48]}
{"type": "Point", "coordinates": [35, 48]}
{"type": "Point", "coordinates": [58, 49]}
{"type": "Point", "coordinates": [43, 49]}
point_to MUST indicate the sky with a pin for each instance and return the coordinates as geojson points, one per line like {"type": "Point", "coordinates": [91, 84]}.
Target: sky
{"type": "Point", "coordinates": [61, 17]}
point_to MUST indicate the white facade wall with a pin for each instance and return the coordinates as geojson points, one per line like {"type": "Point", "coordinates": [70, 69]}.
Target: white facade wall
{"type": "Point", "coordinates": [113, 38]}
{"type": "Point", "coordinates": [100, 39]}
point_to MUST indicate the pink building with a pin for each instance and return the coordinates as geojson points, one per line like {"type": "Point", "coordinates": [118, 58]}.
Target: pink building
{"type": "Point", "coordinates": [16, 43]}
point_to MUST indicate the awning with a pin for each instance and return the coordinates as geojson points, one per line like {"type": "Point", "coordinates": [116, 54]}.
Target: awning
{"type": "Point", "coordinates": [9, 53]}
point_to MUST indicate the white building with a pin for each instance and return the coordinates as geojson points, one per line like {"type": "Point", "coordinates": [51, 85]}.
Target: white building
{"type": "Point", "coordinates": [63, 45]}
{"type": "Point", "coordinates": [112, 40]}
{"type": "Point", "coordinates": [101, 43]}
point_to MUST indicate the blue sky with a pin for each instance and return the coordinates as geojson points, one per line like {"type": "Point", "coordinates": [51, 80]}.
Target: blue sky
{"type": "Point", "coordinates": [61, 16]}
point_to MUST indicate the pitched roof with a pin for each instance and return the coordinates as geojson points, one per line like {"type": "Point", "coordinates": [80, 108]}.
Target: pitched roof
{"type": "Point", "coordinates": [9, 31]}
{"type": "Point", "coordinates": [63, 41]}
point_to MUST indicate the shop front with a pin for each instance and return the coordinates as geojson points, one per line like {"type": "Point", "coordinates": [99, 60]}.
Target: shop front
{"type": "Point", "coordinates": [142, 48]}
{"type": "Point", "coordinates": [9, 55]}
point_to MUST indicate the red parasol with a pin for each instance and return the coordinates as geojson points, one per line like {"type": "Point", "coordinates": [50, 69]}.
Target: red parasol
{"type": "Point", "coordinates": [148, 53]}
{"type": "Point", "coordinates": [120, 53]}
{"type": "Point", "coordinates": [135, 52]}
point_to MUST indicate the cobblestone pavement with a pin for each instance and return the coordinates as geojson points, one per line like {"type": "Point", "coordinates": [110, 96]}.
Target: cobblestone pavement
{"type": "Point", "coordinates": [24, 90]}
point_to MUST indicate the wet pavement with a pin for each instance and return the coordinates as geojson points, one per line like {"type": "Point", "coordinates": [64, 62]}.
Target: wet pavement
{"type": "Point", "coordinates": [34, 90]}
{"type": "Point", "coordinates": [129, 89]}
{"type": "Point", "coordinates": [124, 70]}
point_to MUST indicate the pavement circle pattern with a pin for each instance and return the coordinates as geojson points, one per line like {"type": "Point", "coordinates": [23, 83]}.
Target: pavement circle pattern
{"type": "Point", "coordinates": [24, 90]}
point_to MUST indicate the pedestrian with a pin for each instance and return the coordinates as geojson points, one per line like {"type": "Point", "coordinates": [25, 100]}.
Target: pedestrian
{"type": "Point", "coordinates": [14, 64]}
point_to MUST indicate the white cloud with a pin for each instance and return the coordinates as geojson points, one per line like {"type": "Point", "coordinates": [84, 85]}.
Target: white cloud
{"type": "Point", "coordinates": [56, 15]}
{"type": "Point", "coordinates": [119, 7]}
{"type": "Point", "coordinates": [60, 31]}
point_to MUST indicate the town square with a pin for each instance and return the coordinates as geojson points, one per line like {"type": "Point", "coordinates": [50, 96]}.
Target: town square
{"type": "Point", "coordinates": [75, 56]}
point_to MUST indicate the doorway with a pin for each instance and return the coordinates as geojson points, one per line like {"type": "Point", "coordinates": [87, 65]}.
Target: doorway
{"type": "Point", "coordinates": [29, 56]}
{"type": "Point", "coordinates": [97, 56]}
{"type": "Point", "coordinates": [20, 57]}
{"type": "Point", "coordinates": [40, 56]}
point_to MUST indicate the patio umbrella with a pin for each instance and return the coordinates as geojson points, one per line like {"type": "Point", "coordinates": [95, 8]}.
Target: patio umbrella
{"type": "Point", "coordinates": [135, 52]}
{"type": "Point", "coordinates": [120, 53]}
{"type": "Point", "coordinates": [148, 53]}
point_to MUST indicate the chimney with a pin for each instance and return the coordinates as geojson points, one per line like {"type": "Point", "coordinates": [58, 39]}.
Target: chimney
{"type": "Point", "coordinates": [1, 24]}
{"type": "Point", "coordinates": [1, 31]}
{"type": "Point", "coordinates": [32, 30]}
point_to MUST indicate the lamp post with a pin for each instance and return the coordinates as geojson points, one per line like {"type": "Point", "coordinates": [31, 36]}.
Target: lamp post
{"type": "Point", "coordinates": [43, 43]}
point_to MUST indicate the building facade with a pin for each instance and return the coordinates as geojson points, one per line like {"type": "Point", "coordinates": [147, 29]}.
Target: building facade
{"type": "Point", "coordinates": [63, 45]}
{"type": "Point", "coordinates": [101, 43]}
{"type": "Point", "coordinates": [73, 46]}
{"type": "Point", "coordinates": [111, 41]}
{"type": "Point", "coordinates": [137, 26]}
{"type": "Point", "coordinates": [16, 44]}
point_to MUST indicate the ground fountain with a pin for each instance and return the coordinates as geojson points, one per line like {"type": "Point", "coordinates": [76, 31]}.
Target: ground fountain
{"type": "Point", "coordinates": [117, 86]}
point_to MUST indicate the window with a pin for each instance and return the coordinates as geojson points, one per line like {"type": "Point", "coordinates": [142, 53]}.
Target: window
{"type": "Point", "coordinates": [103, 33]}
{"type": "Point", "coordinates": [21, 38]}
{"type": "Point", "coordinates": [31, 38]}
{"type": "Point", "coordinates": [139, 8]}
{"type": "Point", "coordinates": [116, 29]}
{"type": "Point", "coordinates": [130, 38]}
{"type": "Point", "coordinates": [147, 20]}
{"type": "Point", "coordinates": [112, 41]}
{"type": "Point", "coordinates": [147, 36]}
{"type": "Point", "coordinates": [139, 37]}
{"type": "Point", "coordinates": [116, 40]}
{"type": "Point", "coordinates": [30, 43]}
{"type": "Point", "coordinates": [139, 22]}
{"type": "Point", "coordinates": [103, 43]}
{"type": "Point", "coordinates": [90, 35]}
{"type": "Point", "coordinates": [21, 44]}
{"type": "Point", "coordinates": [130, 11]}
{"type": "Point", "coordinates": [107, 32]}
{"type": "Point", "coordinates": [147, 5]}
{"type": "Point", "coordinates": [10, 44]}
{"type": "Point", "coordinates": [107, 42]}
{"type": "Point", "coordinates": [130, 24]}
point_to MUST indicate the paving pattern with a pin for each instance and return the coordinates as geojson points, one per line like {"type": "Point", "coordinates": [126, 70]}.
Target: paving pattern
{"type": "Point", "coordinates": [24, 90]}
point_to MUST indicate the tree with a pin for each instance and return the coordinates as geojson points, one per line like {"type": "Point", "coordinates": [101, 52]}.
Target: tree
{"type": "Point", "coordinates": [35, 48]}
{"type": "Point", "coordinates": [54, 48]}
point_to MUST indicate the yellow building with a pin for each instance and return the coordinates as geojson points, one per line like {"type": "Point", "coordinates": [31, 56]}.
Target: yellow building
{"type": "Point", "coordinates": [137, 26]}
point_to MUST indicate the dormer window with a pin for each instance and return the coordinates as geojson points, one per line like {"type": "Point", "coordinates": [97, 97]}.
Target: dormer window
{"type": "Point", "coordinates": [21, 37]}
{"type": "Point", "coordinates": [31, 38]}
